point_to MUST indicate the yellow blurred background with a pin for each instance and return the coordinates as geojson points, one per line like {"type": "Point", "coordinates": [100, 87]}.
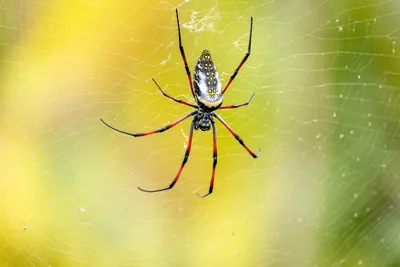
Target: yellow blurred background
{"type": "Point", "coordinates": [325, 191]}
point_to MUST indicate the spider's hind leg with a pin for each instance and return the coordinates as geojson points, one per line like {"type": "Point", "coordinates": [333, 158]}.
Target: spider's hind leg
{"type": "Point", "coordinates": [173, 98]}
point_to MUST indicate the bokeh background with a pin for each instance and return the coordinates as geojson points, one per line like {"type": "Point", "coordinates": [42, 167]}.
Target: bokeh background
{"type": "Point", "coordinates": [325, 191]}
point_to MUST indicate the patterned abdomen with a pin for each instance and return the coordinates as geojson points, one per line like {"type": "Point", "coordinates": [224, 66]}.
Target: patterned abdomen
{"type": "Point", "coordinates": [206, 83]}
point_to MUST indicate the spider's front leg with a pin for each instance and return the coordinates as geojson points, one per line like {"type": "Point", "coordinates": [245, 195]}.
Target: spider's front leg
{"type": "Point", "coordinates": [237, 137]}
{"type": "Point", "coordinates": [185, 158]}
{"type": "Point", "coordinates": [160, 130]}
{"type": "Point", "coordinates": [215, 159]}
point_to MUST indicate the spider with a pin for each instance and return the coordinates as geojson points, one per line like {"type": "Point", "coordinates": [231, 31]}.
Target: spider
{"type": "Point", "coordinates": [207, 91]}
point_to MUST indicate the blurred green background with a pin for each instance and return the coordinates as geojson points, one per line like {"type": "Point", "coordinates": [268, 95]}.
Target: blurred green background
{"type": "Point", "coordinates": [325, 191]}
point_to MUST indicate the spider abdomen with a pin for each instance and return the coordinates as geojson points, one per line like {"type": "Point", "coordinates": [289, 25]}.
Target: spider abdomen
{"type": "Point", "coordinates": [202, 121]}
{"type": "Point", "coordinates": [206, 83]}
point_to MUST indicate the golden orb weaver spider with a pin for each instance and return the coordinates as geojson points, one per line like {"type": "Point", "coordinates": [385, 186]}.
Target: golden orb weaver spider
{"type": "Point", "coordinates": [207, 91]}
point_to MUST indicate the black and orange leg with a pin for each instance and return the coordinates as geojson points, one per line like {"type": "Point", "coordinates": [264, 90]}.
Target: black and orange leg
{"type": "Point", "coordinates": [183, 55]}
{"type": "Point", "coordinates": [185, 158]}
{"type": "Point", "coordinates": [237, 137]}
{"type": "Point", "coordinates": [160, 130]}
{"type": "Point", "coordinates": [243, 60]}
{"type": "Point", "coordinates": [173, 98]}
{"type": "Point", "coordinates": [238, 105]}
{"type": "Point", "coordinates": [215, 159]}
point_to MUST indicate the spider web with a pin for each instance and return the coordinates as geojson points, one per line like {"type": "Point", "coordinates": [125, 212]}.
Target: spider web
{"type": "Point", "coordinates": [325, 191]}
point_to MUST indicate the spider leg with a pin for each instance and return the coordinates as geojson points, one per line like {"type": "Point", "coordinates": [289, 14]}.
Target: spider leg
{"type": "Point", "coordinates": [185, 158]}
{"type": "Point", "coordinates": [215, 157]}
{"type": "Point", "coordinates": [183, 55]}
{"type": "Point", "coordinates": [238, 105]}
{"type": "Point", "coordinates": [237, 136]}
{"type": "Point", "coordinates": [173, 98]}
{"type": "Point", "coordinates": [162, 129]}
{"type": "Point", "coordinates": [243, 60]}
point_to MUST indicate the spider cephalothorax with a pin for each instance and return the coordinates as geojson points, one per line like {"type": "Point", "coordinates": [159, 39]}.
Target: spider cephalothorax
{"type": "Point", "coordinates": [207, 91]}
{"type": "Point", "coordinates": [202, 121]}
